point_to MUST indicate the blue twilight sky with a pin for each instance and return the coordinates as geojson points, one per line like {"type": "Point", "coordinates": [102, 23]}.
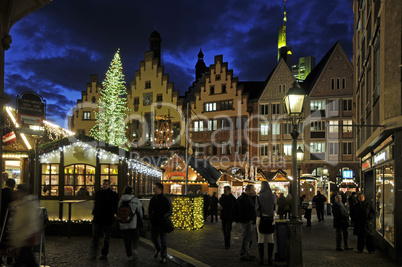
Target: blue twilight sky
{"type": "Point", "coordinates": [56, 49]}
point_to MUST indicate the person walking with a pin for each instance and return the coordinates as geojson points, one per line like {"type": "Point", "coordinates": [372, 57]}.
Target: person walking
{"type": "Point", "coordinates": [159, 210]}
{"type": "Point", "coordinates": [319, 201]}
{"type": "Point", "coordinates": [7, 196]}
{"type": "Point", "coordinates": [307, 209]}
{"type": "Point", "coordinates": [227, 204]}
{"type": "Point", "coordinates": [281, 205]}
{"type": "Point", "coordinates": [214, 207]}
{"type": "Point", "coordinates": [264, 207]}
{"type": "Point", "coordinates": [207, 202]}
{"type": "Point", "coordinates": [364, 224]}
{"type": "Point", "coordinates": [247, 214]}
{"type": "Point", "coordinates": [104, 210]}
{"type": "Point", "coordinates": [352, 201]}
{"type": "Point", "coordinates": [130, 231]}
{"type": "Point", "coordinates": [26, 227]}
{"type": "Point", "coordinates": [341, 223]}
{"type": "Point", "coordinates": [288, 205]}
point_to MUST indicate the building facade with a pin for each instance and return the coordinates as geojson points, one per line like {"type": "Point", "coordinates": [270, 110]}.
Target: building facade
{"type": "Point", "coordinates": [377, 110]}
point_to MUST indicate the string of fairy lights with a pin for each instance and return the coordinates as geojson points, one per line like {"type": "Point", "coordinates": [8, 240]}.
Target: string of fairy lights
{"type": "Point", "coordinates": [133, 164]}
{"type": "Point", "coordinates": [188, 212]}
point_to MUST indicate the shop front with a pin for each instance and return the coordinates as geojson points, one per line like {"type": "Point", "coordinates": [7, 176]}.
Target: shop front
{"type": "Point", "coordinates": [280, 183]}
{"type": "Point", "coordinates": [381, 187]}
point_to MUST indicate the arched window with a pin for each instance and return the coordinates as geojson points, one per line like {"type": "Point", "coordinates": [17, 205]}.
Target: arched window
{"type": "Point", "coordinates": [79, 180]}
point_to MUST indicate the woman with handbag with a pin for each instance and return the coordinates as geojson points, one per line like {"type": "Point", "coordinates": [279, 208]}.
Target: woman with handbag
{"type": "Point", "coordinates": [265, 206]}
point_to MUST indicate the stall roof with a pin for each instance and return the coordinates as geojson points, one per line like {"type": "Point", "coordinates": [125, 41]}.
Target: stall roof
{"type": "Point", "coordinates": [278, 176]}
{"type": "Point", "coordinates": [205, 169]}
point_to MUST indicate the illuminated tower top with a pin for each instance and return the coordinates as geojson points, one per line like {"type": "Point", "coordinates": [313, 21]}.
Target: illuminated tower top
{"type": "Point", "coordinates": [282, 32]}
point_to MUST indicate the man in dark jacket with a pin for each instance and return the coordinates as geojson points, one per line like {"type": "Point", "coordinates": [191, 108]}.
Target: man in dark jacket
{"type": "Point", "coordinates": [227, 205]}
{"type": "Point", "coordinates": [341, 223]}
{"type": "Point", "coordinates": [319, 201]}
{"type": "Point", "coordinates": [104, 210]}
{"type": "Point", "coordinates": [246, 207]}
{"type": "Point", "coordinates": [364, 224]}
{"type": "Point", "coordinates": [214, 207]}
{"type": "Point", "coordinates": [352, 201]}
{"type": "Point", "coordinates": [159, 210]}
{"type": "Point", "coordinates": [6, 198]}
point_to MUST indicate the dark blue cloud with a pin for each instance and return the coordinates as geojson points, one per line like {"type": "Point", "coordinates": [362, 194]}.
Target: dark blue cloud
{"type": "Point", "coordinates": [57, 48]}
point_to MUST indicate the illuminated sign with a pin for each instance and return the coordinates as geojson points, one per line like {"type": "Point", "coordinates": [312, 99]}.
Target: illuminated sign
{"type": "Point", "coordinates": [366, 164]}
{"type": "Point", "coordinates": [381, 156]}
{"type": "Point", "coordinates": [347, 174]}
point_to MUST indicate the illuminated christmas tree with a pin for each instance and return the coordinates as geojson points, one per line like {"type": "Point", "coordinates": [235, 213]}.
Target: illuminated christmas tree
{"type": "Point", "coordinates": [112, 107]}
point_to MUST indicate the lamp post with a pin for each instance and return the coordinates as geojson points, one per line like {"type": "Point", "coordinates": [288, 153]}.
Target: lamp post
{"type": "Point", "coordinates": [294, 101]}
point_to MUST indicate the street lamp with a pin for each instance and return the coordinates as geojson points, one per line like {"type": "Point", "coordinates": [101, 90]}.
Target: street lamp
{"type": "Point", "coordinates": [294, 101]}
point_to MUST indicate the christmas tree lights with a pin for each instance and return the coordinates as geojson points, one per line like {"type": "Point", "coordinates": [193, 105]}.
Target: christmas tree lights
{"type": "Point", "coordinates": [112, 107]}
{"type": "Point", "coordinates": [188, 212]}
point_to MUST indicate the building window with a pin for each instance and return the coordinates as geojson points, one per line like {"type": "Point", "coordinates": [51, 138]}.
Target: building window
{"type": "Point", "coordinates": [275, 109]}
{"type": "Point", "coordinates": [93, 100]}
{"type": "Point", "coordinates": [136, 100]}
{"type": "Point", "coordinates": [287, 149]}
{"type": "Point", "coordinates": [280, 88]}
{"type": "Point", "coordinates": [87, 115]}
{"type": "Point", "coordinates": [196, 126]}
{"type": "Point", "coordinates": [376, 91]}
{"type": "Point", "coordinates": [217, 77]}
{"type": "Point", "coordinates": [347, 148]}
{"type": "Point", "coordinates": [238, 147]}
{"type": "Point", "coordinates": [225, 149]}
{"type": "Point", "coordinates": [317, 126]}
{"type": "Point", "coordinates": [276, 128]}
{"type": "Point", "coordinates": [110, 172]}
{"type": "Point", "coordinates": [79, 180]}
{"type": "Point", "coordinates": [225, 124]}
{"type": "Point", "coordinates": [264, 109]}
{"type": "Point", "coordinates": [264, 150]}
{"type": "Point", "coordinates": [147, 84]}
{"type": "Point", "coordinates": [264, 129]}
{"type": "Point", "coordinates": [226, 105]}
{"type": "Point", "coordinates": [347, 105]}
{"type": "Point", "coordinates": [333, 105]}
{"type": "Point", "coordinates": [50, 179]}
{"type": "Point", "coordinates": [347, 126]}
{"type": "Point", "coordinates": [333, 126]}
{"type": "Point", "coordinates": [223, 88]}
{"type": "Point", "coordinates": [332, 83]}
{"type": "Point", "coordinates": [136, 129]}
{"type": "Point", "coordinates": [210, 106]}
{"type": "Point", "coordinates": [337, 83]}
{"type": "Point", "coordinates": [212, 90]}
{"type": "Point", "coordinates": [212, 125]}
{"type": "Point", "coordinates": [317, 104]}
{"type": "Point", "coordinates": [275, 149]}
{"type": "Point", "coordinates": [159, 98]}
{"type": "Point", "coordinates": [317, 147]}
{"type": "Point", "coordinates": [287, 128]}
{"type": "Point", "coordinates": [176, 132]}
{"type": "Point", "coordinates": [333, 148]}
{"type": "Point", "coordinates": [343, 83]}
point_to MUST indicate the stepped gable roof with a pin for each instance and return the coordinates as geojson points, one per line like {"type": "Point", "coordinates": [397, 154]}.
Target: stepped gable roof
{"type": "Point", "coordinates": [253, 89]}
{"type": "Point", "coordinates": [315, 73]}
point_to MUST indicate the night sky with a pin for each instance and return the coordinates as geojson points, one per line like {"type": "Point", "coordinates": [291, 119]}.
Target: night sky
{"type": "Point", "coordinates": [56, 49]}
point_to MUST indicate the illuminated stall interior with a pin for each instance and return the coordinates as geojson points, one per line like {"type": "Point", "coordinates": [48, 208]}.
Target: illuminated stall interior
{"type": "Point", "coordinates": [73, 169]}
{"type": "Point", "coordinates": [308, 187]}
{"type": "Point", "coordinates": [202, 176]}
{"type": "Point", "coordinates": [279, 182]}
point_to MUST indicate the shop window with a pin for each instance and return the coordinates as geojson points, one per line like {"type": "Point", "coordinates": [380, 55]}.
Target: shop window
{"type": "Point", "coordinates": [13, 168]}
{"type": "Point", "coordinates": [385, 202]}
{"type": "Point", "coordinates": [79, 180]}
{"type": "Point", "coordinates": [110, 172]}
{"type": "Point", "coordinates": [50, 180]}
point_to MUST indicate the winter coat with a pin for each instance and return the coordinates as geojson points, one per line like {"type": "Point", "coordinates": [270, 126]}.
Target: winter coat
{"type": "Point", "coordinates": [26, 222]}
{"type": "Point", "coordinates": [214, 205]}
{"type": "Point", "coordinates": [228, 204]}
{"type": "Point", "coordinates": [341, 216]}
{"type": "Point", "coordinates": [136, 207]}
{"type": "Point", "coordinates": [105, 206]}
{"type": "Point", "coordinates": [6, 199]}
{"type": "Point", "coordinates": [266, 202]}
{"type": "Point", "coordinates": [207, 200]}
{"type": "Point", "coordinates": [288, 203]}
{"type": "Point", "coordinates": [281, 205]}
{"type": "Point", "coordinates": [246, 208]}
{"type": "Point", "coordinates": [364, 218]}
{"type": "Point", "coordinates": [160, 208]}
{"type": "Point", "coordinates": [319, 201]}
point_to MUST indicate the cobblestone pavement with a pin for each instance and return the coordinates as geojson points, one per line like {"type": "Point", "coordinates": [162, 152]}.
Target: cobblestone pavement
{"type": "Point", "coordinates": [205, 247]}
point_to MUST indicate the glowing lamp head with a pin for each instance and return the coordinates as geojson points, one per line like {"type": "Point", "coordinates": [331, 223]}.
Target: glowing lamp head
{"type": "Point", "coordinates": [294, 100]}
{"type": "Point", "coordinates": [300, 154]}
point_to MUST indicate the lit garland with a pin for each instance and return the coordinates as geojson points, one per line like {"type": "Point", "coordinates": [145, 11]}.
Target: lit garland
{"type": "Point", "coordinates": [188, 212]}
{"type": "Point", "coordinates": [56, 132]}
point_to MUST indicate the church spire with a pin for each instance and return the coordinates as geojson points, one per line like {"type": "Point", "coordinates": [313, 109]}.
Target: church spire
{"type": "Point", "coordinates": [284, 51]}
{"type": "Point", "coordinates": [200, 67]}
{"type": "Point", "coordinates": [155, 41]}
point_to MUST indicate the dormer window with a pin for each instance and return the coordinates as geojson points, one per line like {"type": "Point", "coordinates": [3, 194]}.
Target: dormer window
{"type": "Point", "coordinates": [147, 84]}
